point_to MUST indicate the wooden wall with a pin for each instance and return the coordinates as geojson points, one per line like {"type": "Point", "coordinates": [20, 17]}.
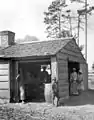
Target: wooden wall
{"type": "Point", "coordinates": [4, 80]}
{"type": "Point", "coordinates": [63, 77]}
{"type": "Point", "coordinates": [70, 52]}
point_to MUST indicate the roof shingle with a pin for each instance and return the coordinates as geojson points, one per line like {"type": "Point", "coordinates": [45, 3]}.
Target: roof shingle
{"type": "Point", "coordinates": [42, 48]}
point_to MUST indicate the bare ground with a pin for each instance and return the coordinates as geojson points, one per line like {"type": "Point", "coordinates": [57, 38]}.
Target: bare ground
{"type": "Point", "coordinates": [76, 108]}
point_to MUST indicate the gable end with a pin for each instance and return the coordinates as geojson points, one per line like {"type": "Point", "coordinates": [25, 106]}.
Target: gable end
{"type": "Point", "coordinates": [72, 50]}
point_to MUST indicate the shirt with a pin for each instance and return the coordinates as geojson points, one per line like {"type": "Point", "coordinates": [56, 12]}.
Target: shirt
{"type": "Point", "coordinates": [74, 76]}
{"type": "Point", "coordinates": [54, 87]}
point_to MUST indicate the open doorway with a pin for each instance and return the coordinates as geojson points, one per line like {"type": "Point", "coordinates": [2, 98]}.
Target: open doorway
{"type": "Point", "coordinates": [72, 65]}
{"type": "Point", "coordinates": [33, 79]}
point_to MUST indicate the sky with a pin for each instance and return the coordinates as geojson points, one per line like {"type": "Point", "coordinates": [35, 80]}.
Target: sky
{"type": "Point", "coordinates": [25, 17]}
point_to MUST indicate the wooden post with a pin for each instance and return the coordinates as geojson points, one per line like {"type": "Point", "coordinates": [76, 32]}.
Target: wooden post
{"type": "Point", "coordinates": [13, 85]}
{"type": "Point", "coordinates": [10, 81]}
{"type": "Point", "coordinates": [16, 82]}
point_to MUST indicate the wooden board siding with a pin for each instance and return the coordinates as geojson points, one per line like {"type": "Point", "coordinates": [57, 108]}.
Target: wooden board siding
{"type": "Point", "coordinates": [73, 57]}
{"type": "Point", "coordinates": [72, 52]}
{"type": "Point", "coordinates": [64, 94]}
{"type": "Point", "coordinates": [4, 80]}
{"type": "Point", "coordinates": [4, 72]}
{"type": "Point", "coordinates": [64, 56]}
{"type": "Point", "coordinates": [62, 76]}
{"type": "Point", "coordinates": [4, 85]}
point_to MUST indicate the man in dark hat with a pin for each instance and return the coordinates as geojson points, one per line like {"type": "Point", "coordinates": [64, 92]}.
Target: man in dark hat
{"type": "Point", "coordinates": [44, 75]}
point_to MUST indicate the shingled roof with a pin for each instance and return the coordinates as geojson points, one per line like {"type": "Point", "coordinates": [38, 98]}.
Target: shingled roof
{"type": "Point", "coordinates": [42, 48]}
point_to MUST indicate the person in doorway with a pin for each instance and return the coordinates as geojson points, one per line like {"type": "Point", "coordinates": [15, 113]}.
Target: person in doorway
{"type": "Point", "coordinates": [55, 91]}
{"type": "Point", "coordinates": [73, 81]}
{"type": "Point", "coordinates": [80, 81]}
{"type": "Point", "coordinates": [21, 88]}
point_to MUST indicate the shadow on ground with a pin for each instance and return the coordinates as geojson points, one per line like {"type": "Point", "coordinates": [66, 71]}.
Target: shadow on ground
{"type": "Point", "coordinates": [86, 97]}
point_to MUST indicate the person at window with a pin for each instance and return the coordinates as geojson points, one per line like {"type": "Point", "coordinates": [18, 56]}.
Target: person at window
{"type": "Point", "coordinates": [44, 75]}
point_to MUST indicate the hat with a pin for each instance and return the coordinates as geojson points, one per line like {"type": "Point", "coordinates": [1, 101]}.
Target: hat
{"type": "Point", "coordinates": [74, 69]}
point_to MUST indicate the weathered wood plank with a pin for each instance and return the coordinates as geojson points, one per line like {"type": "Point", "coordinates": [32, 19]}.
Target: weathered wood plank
{"type": "Point", "coordinates": [66, 56]}
{"type": "Point", "coordinates": [62, 80]}
{"type": "Point", "coordinates": [64, 88]}
{"type": "Point", "coordinates": [4, 93]}
{"type": "Point", "coordinates": [71, 53]}
{"type": "Point", "coordinates": [73, 47]}
{"type": "Point", "coordinates": [63, 94]}
{"type": "Point", "coordinates": [4, 72]}
{"type": "Point", "coordinates": [4, 66]}
{"type": "Point", "coordinates": [4, 85]}
{"type": "Point", "coordinates": [63, 76]}
{"type": "Point", "coordinates": [62, 67]}
{"type": "Point", "coordinates": [62, 70]}
{"type": "Point", "coordinates": [63, 83]}
{"type": "Point", "coordinates": [62, 64]}
{"type": "Point", "coordinates": [4, 78]}
{"type": "Point", "coordinates": [76, 59]}
{"type": "Point", "coordinates": [62, 61]}
{"type": "Point", "coordinates": [61, 56]}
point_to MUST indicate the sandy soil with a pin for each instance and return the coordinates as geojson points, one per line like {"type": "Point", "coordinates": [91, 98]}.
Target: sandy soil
{"type": "Point", "coordinates": [76, 108]}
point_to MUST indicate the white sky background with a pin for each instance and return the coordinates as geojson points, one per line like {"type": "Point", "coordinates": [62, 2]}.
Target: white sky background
{"type": "Point", "coordinates": [26, 17]}
{"type": "Point", "coordinates": [23, 17]}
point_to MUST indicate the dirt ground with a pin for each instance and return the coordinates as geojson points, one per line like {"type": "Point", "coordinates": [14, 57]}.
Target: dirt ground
{"type": "Point", "coordinates": [76, 108]}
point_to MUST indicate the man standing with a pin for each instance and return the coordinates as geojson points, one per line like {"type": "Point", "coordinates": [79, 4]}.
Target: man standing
{"type": "Point", "coordinates": [21, 88]}
{"type": "Point", "coordinates": [55, 91]}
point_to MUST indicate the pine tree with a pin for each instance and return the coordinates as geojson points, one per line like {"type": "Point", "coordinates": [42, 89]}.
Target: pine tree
{"type": "Point", "coordinates": [61, 23]}
{"type": "Point", "coordinates": [53, 18]}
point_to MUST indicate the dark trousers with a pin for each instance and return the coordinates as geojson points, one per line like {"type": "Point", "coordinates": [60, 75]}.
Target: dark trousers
{"type": "Point", "coordinates": [55, 95]}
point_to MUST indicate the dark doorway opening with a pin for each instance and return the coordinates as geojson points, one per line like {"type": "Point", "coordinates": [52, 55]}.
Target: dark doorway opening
{"type": "Point", "coordinates": [72, 65]}
{"type": "Point", "coordinates": [34, 84]}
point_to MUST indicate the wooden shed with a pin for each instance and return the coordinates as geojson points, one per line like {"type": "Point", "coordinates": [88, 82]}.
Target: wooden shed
{"type": "Point", "coordinates": [62, 55]}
